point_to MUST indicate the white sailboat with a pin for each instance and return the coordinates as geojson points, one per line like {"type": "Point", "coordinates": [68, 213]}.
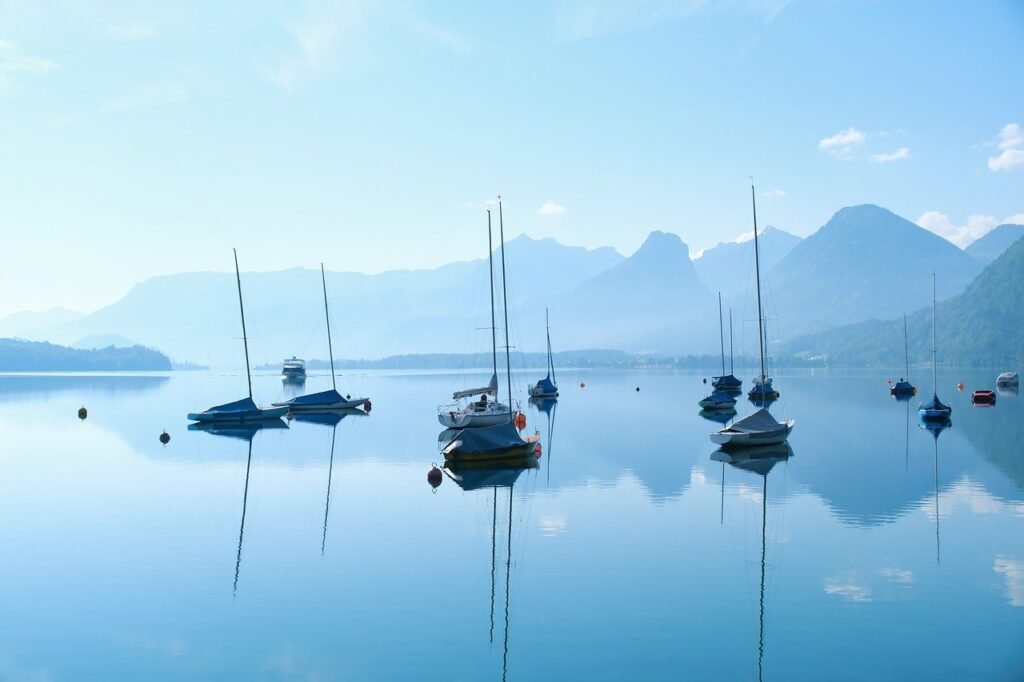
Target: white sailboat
{"type": "Point", "coordinates": [324, 400]}
{"type": "Point", "coordinates": [243, 410]}
{"type": "Point", "coordinates": [465, 413]}
{"type": "Point", "coordinates": [759, 428]}
{"type": "Point", "coordinates": [548, 386]}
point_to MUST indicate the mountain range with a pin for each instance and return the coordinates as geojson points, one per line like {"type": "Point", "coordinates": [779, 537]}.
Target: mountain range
{"type": "Point", "coordinates": [865, 263]}
{"type": "Point", "coordinates": [981, 327]}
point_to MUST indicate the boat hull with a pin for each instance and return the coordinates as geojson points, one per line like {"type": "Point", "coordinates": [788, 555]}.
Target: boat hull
{"type": "Point", "coordinates": [541, 393]}
{"type": "Point", "coordinates": [238, 417]}
{"type": "Point", "coordinates": [460, 419]}
{"type": "Point", "coordinates": [727, 439]}
{"type": "Point", "coordinates": [322, 407]}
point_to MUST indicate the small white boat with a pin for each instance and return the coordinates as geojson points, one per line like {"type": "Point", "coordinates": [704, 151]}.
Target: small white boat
{"type": "Point", "coordinates": [244, 410]}
{"type": "Point", "coordinates": [1008, 380]}
{"type": "Point", "coordinates": [759, 428]}
{"type": "Point", "coordinates": [294, 369]}
{"type": "Point", "coordinates": [465, 413]}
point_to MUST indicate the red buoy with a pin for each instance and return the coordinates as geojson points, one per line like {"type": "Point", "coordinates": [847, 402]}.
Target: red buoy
{"type": "Point", "coordinates": [959, 387]}
{"type": "Point", "coordinates": [367, 406]}
{"type": "Point", "coordinates": [520, 421]}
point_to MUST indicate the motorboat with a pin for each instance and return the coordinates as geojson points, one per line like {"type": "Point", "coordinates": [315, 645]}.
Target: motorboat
{"type": "Point", "coordinates": [1007, 380]}
{"type": "Point", "coordinates": [983, 396]}
{"type": "Point", "coordinates": [293, 370]}
{"type": "Point", "coordinates": [759, 428]}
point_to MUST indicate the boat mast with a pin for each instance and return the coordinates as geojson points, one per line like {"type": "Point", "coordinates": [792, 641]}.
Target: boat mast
{"type": "Point", "coordinates": [732, 370]}
{"type": "Point", "coordinates": [504, 298]}
{"type": "Point", "coordinates": [490, 271]}
{"type": "Point", "coordinates": [327, 314]}
{"type": "Point", "coordinates": [245, 339]}
{"type": "Point", "coordinates": [935, 372]}
{"type": "Point", "coordinates": [757, 274]}
{"type": "Point", "coordinates": [721, 332]}
{"type": "Point", "coordinates": [551, 361]}
{"type": "Point", "coordinates": [906, 345]}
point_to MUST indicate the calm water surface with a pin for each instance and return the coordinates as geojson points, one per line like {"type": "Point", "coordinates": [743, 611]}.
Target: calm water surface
{"type": "Point", "coordinates": [875, 551]}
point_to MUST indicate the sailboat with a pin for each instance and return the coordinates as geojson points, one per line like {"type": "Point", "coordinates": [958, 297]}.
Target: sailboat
{"type": "Point", "coordinates": [721, 398]}
{"type": "Point", "coordinates": [324, 400]}
{"type": "Point", "coordinates": [482, 412]}
{"type": "Point", "coordinates": [546, 387]}
{"type": "Point", "coordinates": [759, 428]}
{"type": "Point", "coordinates": [245, 409]}
{"type": "Point", "coordinates": [903, 388]}
{"type": "Point", "coordinates": [470, 442]}
{"type": "Point", "coordinates": [934, 410]}
{"type": "Point", "coordinates": [726, 382]}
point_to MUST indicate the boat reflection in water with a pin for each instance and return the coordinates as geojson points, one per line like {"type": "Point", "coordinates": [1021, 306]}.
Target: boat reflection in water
{"type": "Point", "coordinates": [240, 431]}
{"type": "Point", "coordinates": [718, 416]}
{"type": "Point", "coordinates": [473, 476]}
{"type": "Point", "coordinates": [332, 419]}
{"type": "Point", "coordinates": [549, 406]}
{"type": "Point", "coordinates": [759, 460]}
{"type": "Point", "coordinates": [936, 427]}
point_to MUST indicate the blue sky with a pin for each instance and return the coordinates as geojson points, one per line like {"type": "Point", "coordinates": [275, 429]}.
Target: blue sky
{"type": "Point", "coordinates": [142, 138]}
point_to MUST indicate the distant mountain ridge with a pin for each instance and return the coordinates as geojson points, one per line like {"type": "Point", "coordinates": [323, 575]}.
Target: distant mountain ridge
{"type": "Point", "coordinates": [17, 355]}
{"type": "Point", "coordinates": [981, 327]}
{"type": "Point", "coordinates": [995, 242]}
{"type": "Point", "coordinates": [864, 263]}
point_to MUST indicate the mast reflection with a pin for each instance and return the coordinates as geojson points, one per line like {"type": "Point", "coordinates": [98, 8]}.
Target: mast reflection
{"type": "Point", "coordinates": [936, 428]}
{"type": "Point", "coordinates": [760, 461]}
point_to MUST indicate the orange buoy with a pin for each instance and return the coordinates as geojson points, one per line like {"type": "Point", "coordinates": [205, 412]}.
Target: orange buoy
{"type": "Point", "coordinates": [889, 381]}
{"type": "Point", "coordinates": [959, 387]}
{"type": "Point", "coordinates": [537, 450]}
{"type": "Point", "coordinates": [520, 421]}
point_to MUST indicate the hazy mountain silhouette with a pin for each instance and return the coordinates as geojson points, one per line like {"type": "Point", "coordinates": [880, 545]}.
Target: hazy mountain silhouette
{"type": "Point", "coordinates": [17, 355]}
{"type": "Point", "coordinates": [29, 324]}
{"type": "Point", "coordinates": [983, 326]}
{"type": "Point", "coordinates": [865, 262]}
{"type": "Point", "coordinates": [993, 244]}
{"type": "Point", "coordinates": [729, 267]}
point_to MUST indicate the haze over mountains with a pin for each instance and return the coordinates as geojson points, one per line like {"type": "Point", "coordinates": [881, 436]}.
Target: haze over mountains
{"type": "Point", "coordinates": [865, 263]}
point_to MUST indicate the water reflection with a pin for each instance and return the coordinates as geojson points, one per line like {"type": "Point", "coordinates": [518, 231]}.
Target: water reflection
{"type": "Point", "coordinates": [759, 461]}
{"type": "Point", "coordinates": [332, 419]}
{"type": "Point", "coordinates": [718, 416]}
{"type": "Point", "coordinates": [471, 477]}
{"type": "Point", "coordinates": [549, 406]}
{"type": "Point", "coordinates": [936, 427]}
{"type": "Point", "coordinates": [23, 386]}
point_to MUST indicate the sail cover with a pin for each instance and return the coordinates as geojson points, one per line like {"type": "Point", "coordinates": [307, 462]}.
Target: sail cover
{"type": "Point", "coordinates": [547, 385]}
{"type": "Point", "coordinates": [328, 397]}
{"type": "Point", "coordinates": [759, 422]}
{"type": "Point", "coordinates": [489, 389]}
{"type": "Point", "coordinates": [243, 405]}
{"type": "Point", "coordinates": [935, 404]}
{"type": "Point", "coordinates": [486, 439]}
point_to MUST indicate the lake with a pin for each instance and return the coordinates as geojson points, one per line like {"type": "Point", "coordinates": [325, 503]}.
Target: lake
{"type": "Point", "coordinates": [875, 551]}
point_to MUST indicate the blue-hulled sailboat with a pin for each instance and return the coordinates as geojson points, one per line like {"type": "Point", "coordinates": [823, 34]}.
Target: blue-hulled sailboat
{"type": "Point", "coordinates": [721, 397]}
{"type": "Point", "coordinates": [546, 387]}
{"type": "Point", "coordinates": [243, 410]}
{"type": "Point", "coordinates": [903, 388]}
{"type": "Point", "coordinates": [934, 409]}
{"type": "Point", "coordinates": [330, 399]}
{"type": "Point", "coordinates": [763, 392]}
{"type": "Point", "coordinates": [726, 382]}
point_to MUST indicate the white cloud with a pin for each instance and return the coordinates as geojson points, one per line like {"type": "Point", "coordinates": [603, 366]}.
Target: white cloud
{"type": "Point", "coordinates": [977, 226]}
{"type": "Point", "coordinates": [1011, 142]}
{"type": "Point", "coordinates": [13, 62]}
{"type": "Point", "coordinates": [136, 30]}
{"type": "Point", "coordinates": [773, 194]}
{"type": "Point", "coordinates": [843, 144]}
{"type": "Point", "coordinates": [889, 157]}
{"type": "Point", "coordinates": [551, 208]}
{"type": "Point", "coordinates": [1013, 571]}
{"type": "Point", "coordinates": [149, 97]}
{"type": "Point", "coordinates": [846, 587]}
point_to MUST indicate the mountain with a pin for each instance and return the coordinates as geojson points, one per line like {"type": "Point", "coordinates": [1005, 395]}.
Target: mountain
{"type": "Point", "coordinates": [729, 267]}
{"type": "Point", "coordinates": [982, 327]}
{"type": "Point", "coordinates": [17, 355]}
{"type": "Point", "coordinates": [641, 304]}
{"type": "Point", "coordinates": [103, 341]}
{"type": "Point", "coordinates": [990, 246]}
{"type": "Point", "coordinates": [194, 316]}
{"type": "Point", "coordinates": [864, 263]}
{"type": "Point", "coordinates": [30, 324]}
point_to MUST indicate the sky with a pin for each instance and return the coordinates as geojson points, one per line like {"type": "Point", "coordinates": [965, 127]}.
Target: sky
{"type": "Point", "coordinates": [145, 138]}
